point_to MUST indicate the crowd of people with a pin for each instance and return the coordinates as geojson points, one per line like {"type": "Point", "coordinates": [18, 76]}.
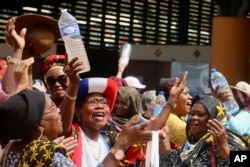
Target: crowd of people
{"type": "Point", "coordinates": [65, 120]}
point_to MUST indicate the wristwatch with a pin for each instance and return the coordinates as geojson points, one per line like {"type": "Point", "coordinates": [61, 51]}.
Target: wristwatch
{"type": "Point", "coordinates": [118, 154]}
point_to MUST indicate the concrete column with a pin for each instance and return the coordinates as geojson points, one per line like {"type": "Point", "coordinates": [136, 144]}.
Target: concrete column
{"type": "Point", "coordinates": [230, 47]}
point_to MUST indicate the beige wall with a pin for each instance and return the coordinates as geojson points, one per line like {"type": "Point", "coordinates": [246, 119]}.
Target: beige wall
{"type": "Point", "coordinates": [180, 53]}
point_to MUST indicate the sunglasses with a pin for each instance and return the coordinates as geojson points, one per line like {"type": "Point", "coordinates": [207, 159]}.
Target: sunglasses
{"type": "Point", "coordinates": [62, 79]}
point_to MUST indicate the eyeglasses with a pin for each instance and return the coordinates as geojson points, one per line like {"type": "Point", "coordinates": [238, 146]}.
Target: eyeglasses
{"type": "Point", "coordinates": [62, 79]}
{"type": "Point", "coordinates": [94, 102]}
{"type": "Point", "coordinates": [52, 110]}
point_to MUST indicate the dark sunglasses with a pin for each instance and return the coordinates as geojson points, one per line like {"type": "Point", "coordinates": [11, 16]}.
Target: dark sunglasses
{"type": "Point", "coordinates": [62, 79]}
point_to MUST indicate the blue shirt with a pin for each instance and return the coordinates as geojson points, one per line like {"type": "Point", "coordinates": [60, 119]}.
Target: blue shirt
{"type": "Point", "coordinates": [240, 123]}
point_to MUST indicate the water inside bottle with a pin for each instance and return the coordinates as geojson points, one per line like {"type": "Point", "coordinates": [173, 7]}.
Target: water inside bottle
{"type": "Point", "coordinates": [76, 48]}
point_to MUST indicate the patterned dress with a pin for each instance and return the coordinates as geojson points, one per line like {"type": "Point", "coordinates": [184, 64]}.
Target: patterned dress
{"type": "Point", "coordinates": [41, 153]}
{"type": "Point", "coordinates": [203, 159]}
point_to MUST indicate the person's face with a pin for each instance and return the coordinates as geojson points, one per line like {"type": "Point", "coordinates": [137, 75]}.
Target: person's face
{"type": "Point", "coordinates": [197, 120]}
{"type": "Point", "coordinates": [184, 103]}
{"type": "Point", "coordinates": [51, 119]}
{"type": "Point", "coordinates": [151, 105]}
{"type": "Point", "coordinates": [94, 111]}
{"type": "Point", "coordinates": [120, 108]}
{"type": "Point", "coordinates": [56, 81]}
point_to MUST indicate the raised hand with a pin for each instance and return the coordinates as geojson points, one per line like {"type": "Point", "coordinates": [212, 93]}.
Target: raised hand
{"type": "Point", "coordinates": [12, 37]}
{"type": "Point", "coordinates": [176, 90]}
{"type": "Point", "coordinates": [216, 129]}
{"type": "Point", "coordinates": [21, 77]}
{"type": "Point", "coordinates": [222, 95]}
{"type": "Point", "coordinates": [178, 87]}
{"type": "Point", "coordinates": [68, 143]}
{"type": "Point", "coordinates": [72, 69]}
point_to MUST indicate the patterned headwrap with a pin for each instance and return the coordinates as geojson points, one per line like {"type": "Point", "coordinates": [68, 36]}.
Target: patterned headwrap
{"type": "Point", "coordinates": [106, 86]}
{"type": "Point", "coordinates": [52, 61]}
{"type": "Point", "coordinates": [215, 109]}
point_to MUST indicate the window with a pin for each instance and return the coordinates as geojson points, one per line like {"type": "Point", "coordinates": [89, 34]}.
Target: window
{"type": "Point", "coordinates": [106, 24]}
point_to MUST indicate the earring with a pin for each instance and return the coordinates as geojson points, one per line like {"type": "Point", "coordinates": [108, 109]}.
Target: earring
{"type": "Point", "coordinates": [41, 134]}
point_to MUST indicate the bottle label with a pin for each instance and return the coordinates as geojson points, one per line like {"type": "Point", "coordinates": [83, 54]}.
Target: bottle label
{"type": "Point", "coordinates": [72, 29]}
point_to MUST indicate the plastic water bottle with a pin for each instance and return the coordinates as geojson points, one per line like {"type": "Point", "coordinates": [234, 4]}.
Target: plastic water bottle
{"type": "Point", "coordinates": [159, 103]}
{"type": "Point", "coordinates": [218, 79]}
{"type": "Point", "coordinates": [126, 52]}
{"type": "Point", "coordinates": [70, 32]}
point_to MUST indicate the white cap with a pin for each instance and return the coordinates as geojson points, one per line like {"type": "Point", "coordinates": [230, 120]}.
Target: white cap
{"type": "Point", "coordinates": [134, 82]}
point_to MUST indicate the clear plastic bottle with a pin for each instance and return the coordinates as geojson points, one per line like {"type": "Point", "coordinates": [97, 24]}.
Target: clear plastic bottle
{"type": "Point", "coordinates": [126, 52]}
{"type": "Point", "coordinates": [218, 79]}
{"type": "Point", "coordinates": [72, 38]}
{"type": "Point", "coordinates": [159, 103]}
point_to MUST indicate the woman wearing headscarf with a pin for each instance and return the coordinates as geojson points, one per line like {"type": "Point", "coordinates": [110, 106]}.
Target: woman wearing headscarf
{"type": "Point", "coordinates": [94, 102]}
{"type": "Point", "coordinates": [56, 70]}
{"type": "Point", "coordinates": [31, 120]}
{"type": "Point", "coordinates": [209, 143]}
{"type": "Point", "coordinates": [55, 78]}
{"type": "Point", "coordinates": [127, 104]}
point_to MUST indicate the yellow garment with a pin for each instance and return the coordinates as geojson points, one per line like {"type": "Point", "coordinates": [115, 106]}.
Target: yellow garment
{"type": "Point", "coordinates": [177, 130]}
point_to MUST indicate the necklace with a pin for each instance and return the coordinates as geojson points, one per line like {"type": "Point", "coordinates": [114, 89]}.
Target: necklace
{"type": "Point", "coordinates": [99, 153]}
{"type": "Point", "coordinates": [93, 150]}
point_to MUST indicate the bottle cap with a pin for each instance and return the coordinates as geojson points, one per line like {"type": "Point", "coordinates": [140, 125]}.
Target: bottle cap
{"type": "Point", "coordinates": [213, 70]}
{"type": "Point", "coordinates": [161, 93]}
{"type": "Point", "coordinates": [63, 10]}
